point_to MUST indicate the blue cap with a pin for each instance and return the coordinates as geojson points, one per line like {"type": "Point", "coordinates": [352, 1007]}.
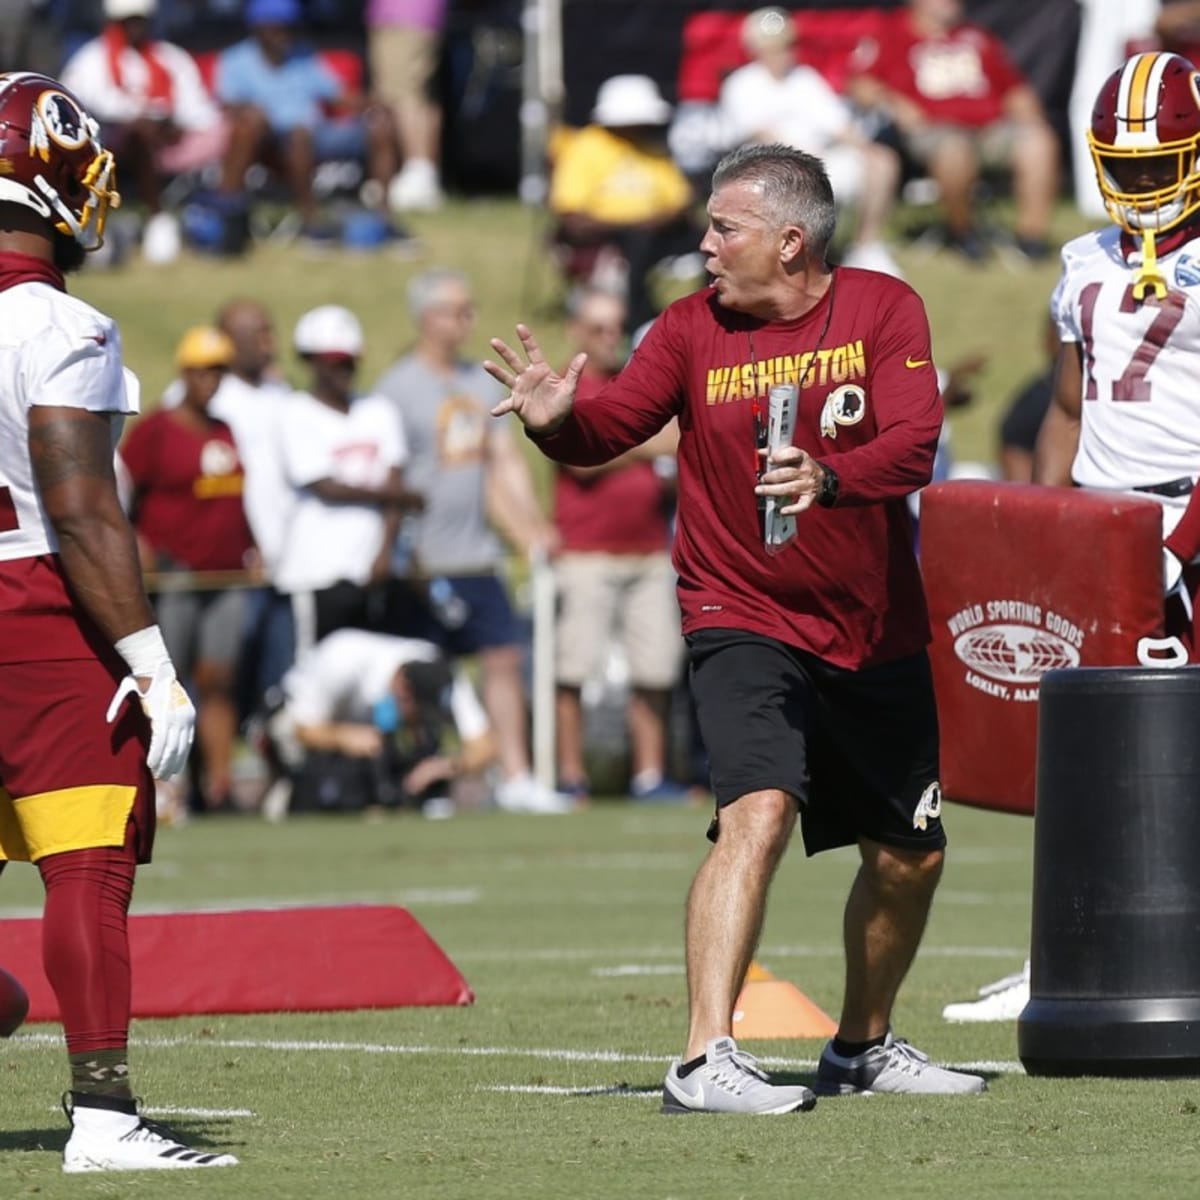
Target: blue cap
{"type": "Point", "coordinates": [273, 12]}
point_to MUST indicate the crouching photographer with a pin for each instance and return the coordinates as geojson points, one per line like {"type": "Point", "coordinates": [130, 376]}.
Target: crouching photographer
{"type": "Point", "coordinates": [366, 720]}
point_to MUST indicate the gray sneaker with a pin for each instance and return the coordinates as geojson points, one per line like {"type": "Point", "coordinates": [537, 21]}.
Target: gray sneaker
{"type": "Point", "coordinates": [896, 1068]}
{"type": "Point", "coordinates": [730, 1081]}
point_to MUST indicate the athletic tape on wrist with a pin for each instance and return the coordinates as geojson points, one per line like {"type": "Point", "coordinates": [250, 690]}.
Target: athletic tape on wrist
{"type": "Point", "coordinates": [144, 652]}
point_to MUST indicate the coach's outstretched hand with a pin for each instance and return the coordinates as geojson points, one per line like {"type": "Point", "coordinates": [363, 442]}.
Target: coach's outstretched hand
{"type": "Point", "coordinates": [542, 399]}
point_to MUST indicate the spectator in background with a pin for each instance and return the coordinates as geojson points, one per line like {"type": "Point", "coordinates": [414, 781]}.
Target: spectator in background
{"type": "Point", "coordinates": [471, 473]}
{"type": "Point", "coordinates": [186, 506]}
{"type": "Point", "coordinates": [252, 401]}
{"type": "Point", "coordinates": [773, 98]}
{"type": "Point", "coordinates": [342, 455]}
{"type": "Point", "coordinates": [156, 113]}
{"type": "Point", "coordinates": [1022, 421]}
{"type": "Point", "coordinates": [282, 94]}
{"type": "Point", "coordinates": [404, 41]}
{"type": "Point", "coordinates": [614, 188]}
{"type": "Point", "coordinates": [364, 719]}
{"type": "Point", "coordinates": [959, 103]}
{"type": "Point", "coordinates": [614, 572]}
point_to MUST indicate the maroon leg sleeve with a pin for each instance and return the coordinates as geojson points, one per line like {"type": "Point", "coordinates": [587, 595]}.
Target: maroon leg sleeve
{"type": "Point", "coordinates": [85, 943]}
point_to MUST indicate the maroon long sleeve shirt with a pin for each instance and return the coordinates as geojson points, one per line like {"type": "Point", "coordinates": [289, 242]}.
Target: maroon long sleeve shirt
{"type": "Point", "coordinates": [847, 587]}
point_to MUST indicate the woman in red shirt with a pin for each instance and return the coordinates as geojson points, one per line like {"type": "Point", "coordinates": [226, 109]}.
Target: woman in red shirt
{"type": "Point", "coordinates": [186, 503]}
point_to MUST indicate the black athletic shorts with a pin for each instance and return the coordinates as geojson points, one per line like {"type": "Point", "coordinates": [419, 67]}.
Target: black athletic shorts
{"type": "Point", "coordinates": [858, 749]}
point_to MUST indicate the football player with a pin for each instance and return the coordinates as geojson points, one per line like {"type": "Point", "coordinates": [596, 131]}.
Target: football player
{"type": "Point", "coordinates": [1125, 415]}
{"type": "Point", "coordinates": [77, 634]}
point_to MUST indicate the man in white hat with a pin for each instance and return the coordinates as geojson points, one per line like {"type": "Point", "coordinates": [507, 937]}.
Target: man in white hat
{"type": "Point", "coordinates": [774, 98]}
{"type": "Point", "coordinates": [153, 106]}
{"type": "Point", "coordinates": [342, 454]}
{"type": "Point", "coordinates": [614, 187]}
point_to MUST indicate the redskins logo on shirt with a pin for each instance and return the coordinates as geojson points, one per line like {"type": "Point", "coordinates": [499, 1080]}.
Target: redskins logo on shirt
{"type": "Point", "coordinates": [846, 405]}
{"type": "Point", "coordinates": [461, 432]}
{"type": "Point", "coordinates": [220, 471]}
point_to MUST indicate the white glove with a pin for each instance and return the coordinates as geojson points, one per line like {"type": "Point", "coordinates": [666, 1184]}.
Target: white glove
{"type": "Point", "coordinates": [172, 719]}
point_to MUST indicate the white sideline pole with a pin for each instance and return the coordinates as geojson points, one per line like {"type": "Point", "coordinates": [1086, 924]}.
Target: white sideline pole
{"type": "Point", "coordinates": [542, 584]}
{"type": "Point", "coordinates": [533, 186]}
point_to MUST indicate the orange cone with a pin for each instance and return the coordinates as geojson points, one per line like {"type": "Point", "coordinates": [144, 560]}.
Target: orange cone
{"type": "Point", "coordinates": [773, 1008]}
{"type": "Point", "coordinates": [757, 973]}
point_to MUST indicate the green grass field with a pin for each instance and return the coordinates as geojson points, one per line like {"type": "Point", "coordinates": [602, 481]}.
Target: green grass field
{"type": "Point", "coordinates": [568, 929]}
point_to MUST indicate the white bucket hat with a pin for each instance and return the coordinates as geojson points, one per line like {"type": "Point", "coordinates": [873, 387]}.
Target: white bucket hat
{"type": "Point", "coordinates": [630, 100]}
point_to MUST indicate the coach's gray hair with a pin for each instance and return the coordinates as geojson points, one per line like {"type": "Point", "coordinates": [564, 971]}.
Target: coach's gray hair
{"type": "Point", "coordinates": [795, 187]}
{"type": "Point", "coordinates": [423, 288]}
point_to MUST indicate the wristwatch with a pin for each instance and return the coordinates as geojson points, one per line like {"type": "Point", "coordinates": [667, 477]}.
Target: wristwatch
{"type": "Point", "coordinates": [827, 497]}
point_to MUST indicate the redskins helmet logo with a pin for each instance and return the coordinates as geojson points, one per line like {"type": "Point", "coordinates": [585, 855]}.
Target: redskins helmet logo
{"type": "Point", "coordinates": [846, 405]}
{"type": "Point", "coordinates": [57, 119]}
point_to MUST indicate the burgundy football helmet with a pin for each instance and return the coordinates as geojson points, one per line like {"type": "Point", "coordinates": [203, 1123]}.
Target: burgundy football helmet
{"type": "Point", "coordinates": [51, 159]}
{"type": "Point", "coordinates": [1145, 138]}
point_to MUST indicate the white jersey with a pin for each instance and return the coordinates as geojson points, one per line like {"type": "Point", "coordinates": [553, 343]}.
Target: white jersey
{"type": "Point", "coordinates": [326, 543]}
{"type": "Point", "coordinates": [1141, 402]}
{"type": "Point", "coordinates": [55, 351]}
{"type": "Point", "coordinates": [89, 74]}
{"type": "Point", "coordinates": [256, 417]}
{"type": "Point", "coordinates": [346, 674]}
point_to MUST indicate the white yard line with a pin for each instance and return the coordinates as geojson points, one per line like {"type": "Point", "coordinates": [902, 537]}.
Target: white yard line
{"type": "Point", "coordinates": [765, 953]}
{"type": "Point", "coordinates": [173, 1110]}
{"type": "Point", "coordinates": [627, 969]}
{"type": "Point", "coordinates": [538, 1090]}
{"type": "Point", "coordinates": [33, 1040]}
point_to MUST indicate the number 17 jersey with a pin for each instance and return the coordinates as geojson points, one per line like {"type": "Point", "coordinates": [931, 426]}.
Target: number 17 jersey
{"type": "Point", "coordinates": [1140, 422]}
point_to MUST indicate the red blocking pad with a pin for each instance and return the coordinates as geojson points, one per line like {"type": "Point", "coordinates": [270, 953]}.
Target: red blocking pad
{"type": "Point", "coordinates": [1021, 580]}
{"type": "Point", "coordinates": [262, 960]}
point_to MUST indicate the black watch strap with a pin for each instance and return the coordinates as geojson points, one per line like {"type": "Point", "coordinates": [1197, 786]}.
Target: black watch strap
{"type": "Point", "coordinates": [830, 486]}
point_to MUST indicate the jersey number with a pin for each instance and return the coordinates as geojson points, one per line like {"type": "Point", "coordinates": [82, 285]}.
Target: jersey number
{"type": "Point", "coordinates": [1133, 384]}
{"type": "Point", "coordinates": [8, 512]}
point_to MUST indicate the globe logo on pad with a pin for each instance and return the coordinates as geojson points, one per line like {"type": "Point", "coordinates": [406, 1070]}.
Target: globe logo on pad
{"type": "Point", "coordinates": [1014, 653]}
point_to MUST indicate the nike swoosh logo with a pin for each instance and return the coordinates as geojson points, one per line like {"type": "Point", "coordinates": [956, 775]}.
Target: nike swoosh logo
{"type": "Point", "coordinates": [913, 363]}
{"type": "Point", "coordinates": [695, 1101]}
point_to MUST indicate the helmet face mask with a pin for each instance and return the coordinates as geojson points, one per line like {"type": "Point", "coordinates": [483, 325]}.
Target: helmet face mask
{"type": "Point", "coordinates": [51, 158]}
{"type": "Point", "coordinates": [1145, 142]}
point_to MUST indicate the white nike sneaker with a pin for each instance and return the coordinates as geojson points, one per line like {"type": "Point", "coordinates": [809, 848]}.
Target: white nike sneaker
{"type": "Point", "coordinates": [1003, 1000]}
{"type": "Point", "coordinates": [108, 1135]}
{"type": "Point", "coordinates": [730, 1081]}
{"type": "Point", "coordinates": [896, 1068]}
